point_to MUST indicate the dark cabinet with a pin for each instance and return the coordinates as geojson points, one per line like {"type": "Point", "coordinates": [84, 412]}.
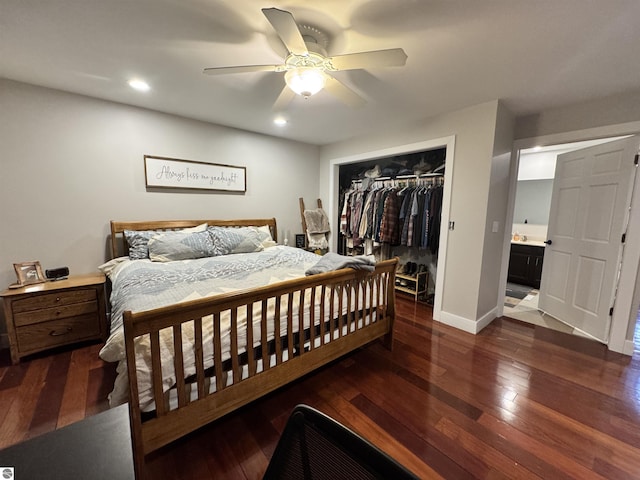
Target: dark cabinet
{"type": "Point", "coordinates": [525, 265]}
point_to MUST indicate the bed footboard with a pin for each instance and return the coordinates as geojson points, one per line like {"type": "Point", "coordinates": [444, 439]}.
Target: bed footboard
{"type": "Point", "coordinates": [273, 334]}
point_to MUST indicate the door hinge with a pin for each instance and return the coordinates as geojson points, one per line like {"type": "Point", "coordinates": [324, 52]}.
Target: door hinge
{"type": "Point", "coordinates": [624, 237]}
{"type": "Point", "coordinates": [635, 160]}
{"type": "Point", "coordinates": [611, 311]}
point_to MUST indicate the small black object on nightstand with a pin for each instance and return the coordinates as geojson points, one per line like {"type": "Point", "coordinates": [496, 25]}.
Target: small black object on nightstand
{"type": "Point", "coordinates": [57, 273]}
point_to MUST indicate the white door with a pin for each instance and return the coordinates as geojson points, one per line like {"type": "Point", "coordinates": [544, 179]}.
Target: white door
{"type": "Point", "coordinates": [589, 212]}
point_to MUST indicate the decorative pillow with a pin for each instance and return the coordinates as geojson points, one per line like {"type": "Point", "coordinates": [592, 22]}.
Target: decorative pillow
{"type": "Point", "coordinates": [109, 267]}
{"type": "Point", "coordinates": [181, 245]}
{"type": "Point", "coordinates": [138, 240]}
{"type": "Point", "coordinates": [228, 240]}
{"type": "Point", "coordinates": [265, 236]}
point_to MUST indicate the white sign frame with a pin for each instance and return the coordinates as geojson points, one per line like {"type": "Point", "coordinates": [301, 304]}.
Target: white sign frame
{"type": "Point", "coordinates": [165, 172]}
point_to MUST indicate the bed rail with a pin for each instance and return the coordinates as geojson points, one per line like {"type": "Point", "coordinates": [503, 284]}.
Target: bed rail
{"type": "Point", "coordinates": [347, 309]}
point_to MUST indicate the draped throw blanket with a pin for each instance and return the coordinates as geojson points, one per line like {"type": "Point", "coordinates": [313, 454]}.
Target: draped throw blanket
{"type": "Point", "coordinates": [317, 227]}
{"type": "Point", "coordinates": [333, 261]}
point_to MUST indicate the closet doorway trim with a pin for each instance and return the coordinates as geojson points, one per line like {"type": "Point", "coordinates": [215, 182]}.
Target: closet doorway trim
{"type": "Point", "coordinates": [443, 142]}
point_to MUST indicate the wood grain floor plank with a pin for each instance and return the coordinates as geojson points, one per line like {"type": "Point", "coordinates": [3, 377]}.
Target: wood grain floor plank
{"type": "Point", "coordinates": [541, 450]}
{"type": "Point", "coordinates": [541, 387]}
{"type": "Point", "coordinates": [596, 409]}
{"type": "Point", "coordinates": [404, 403]}
{"type": "Point", "coordinates": [247, 450]}
{"type": "Point", "coordinates": [609, 471]}
{"type": "Point", "coordinates": [501, 465]}
{"type": "Point", "coordinates": [74, 399]}
{"type": "Point", "coordinates": [265, 434]}
{"type": "Point", "coordinates": [560, 359]}
{"type": "Point", "coordinates": [13, 376]}
{"type": "Point", "coordinates": [15, 426]}
{"type": "Point", "coordinates": [558, 432]}
{"type": "Point", "coordinates": [414, 411]}
{"type": "Point", "coordinates": [436, 459]}
{"type": "Point", "coordinates": [7, 397]}
{"type": "Point", "coordinates": [600, 443]}
{"type": "Point", "coordinates": [349, 415]}
{"type": "Point", "coordinates": [99, 384]}
{"type": "Point", "coordinates": [475, 386]}
{"type": "Point", "coordinates": [47, 407]}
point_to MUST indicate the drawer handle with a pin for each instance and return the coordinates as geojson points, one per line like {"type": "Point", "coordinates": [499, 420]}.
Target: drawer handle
{"type": "Point", "coordinates": [57, 333]}
{"type": "Point", "coordinates": [57, 299]}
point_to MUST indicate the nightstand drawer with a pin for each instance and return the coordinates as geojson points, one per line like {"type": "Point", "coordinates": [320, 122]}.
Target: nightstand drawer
{"type": "Point", "coordinates": [57, 332]}
{"type": "Point", "coordinates": [47, 314]}
{"type": "Point", "coordinates": [52, 314]}
{"type": "Point", "coordinates": [49, 300]}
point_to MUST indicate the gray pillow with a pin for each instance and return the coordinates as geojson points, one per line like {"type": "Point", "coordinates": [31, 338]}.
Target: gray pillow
{"type": "Point", "coordinates": [138, 240]}
{"type": "Point", "coordinates": [228, 240]}
{"type": "Point", "coordinates": [171, 246]}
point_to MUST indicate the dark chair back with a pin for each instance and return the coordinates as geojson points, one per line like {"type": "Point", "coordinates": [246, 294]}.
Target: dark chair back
{"type": "Point", "coordinates": [314, 446]}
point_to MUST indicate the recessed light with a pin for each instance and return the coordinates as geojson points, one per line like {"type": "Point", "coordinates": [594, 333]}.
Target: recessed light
{"type": "Point", "coordinates": [139, 85]}
{"type": "Point", "coordinates": [280, 121]}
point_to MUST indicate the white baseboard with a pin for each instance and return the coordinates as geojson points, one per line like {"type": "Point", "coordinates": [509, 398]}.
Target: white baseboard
{"type": "Point", "coordinates": [466, 324]}
{"type": "Point", "coordinates": [629, 347]}
{"type": "Point", "coordinates": [486, 319]}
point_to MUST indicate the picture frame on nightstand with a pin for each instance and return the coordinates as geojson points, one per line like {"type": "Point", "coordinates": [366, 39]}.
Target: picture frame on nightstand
{"type": "Point", "coordinates": [29, 273]}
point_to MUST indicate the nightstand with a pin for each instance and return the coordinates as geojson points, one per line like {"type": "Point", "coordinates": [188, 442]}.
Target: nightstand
{"type": "Point", "coordinates": [51, 314]}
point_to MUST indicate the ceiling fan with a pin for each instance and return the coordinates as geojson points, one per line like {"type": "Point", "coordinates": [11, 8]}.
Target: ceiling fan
{"type": "Point", "coordinates": [307, 68]}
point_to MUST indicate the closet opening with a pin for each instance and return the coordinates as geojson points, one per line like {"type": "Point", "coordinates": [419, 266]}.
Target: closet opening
{"type": "Point", "coordinates": [392, 207]}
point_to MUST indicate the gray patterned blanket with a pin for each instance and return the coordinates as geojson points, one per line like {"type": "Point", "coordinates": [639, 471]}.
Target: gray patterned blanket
{"type": "Point", "coordinates": [140, 285]}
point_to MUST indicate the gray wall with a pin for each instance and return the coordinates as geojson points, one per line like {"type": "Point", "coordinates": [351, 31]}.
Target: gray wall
{"type": "Point", "coordinates": [70, 164]}
{"type": "Point", "coordinates": [612, 110]}
{"type": "Point", "coordinates": [498, 199]}
{"type": "Point", "coordinates": [533, 201]}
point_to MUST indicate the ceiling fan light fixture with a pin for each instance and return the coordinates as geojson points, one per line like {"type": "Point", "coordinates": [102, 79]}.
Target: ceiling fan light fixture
{"type": "Point", "coordinates": [139, 85]}
{"type": "Point", "coordinates": [305, 81]}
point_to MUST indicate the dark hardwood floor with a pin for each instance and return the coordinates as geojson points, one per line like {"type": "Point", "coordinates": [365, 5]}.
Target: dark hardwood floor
{"type": "Point", "coordinates": [51, 390]}
{"type": "Point", "coordinates": [515, 401]}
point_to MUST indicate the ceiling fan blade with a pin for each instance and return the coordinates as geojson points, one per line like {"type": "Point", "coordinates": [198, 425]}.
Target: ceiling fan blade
{"type": "Point", "coordinates": [284, 99]}
{"type": "Point", "coordinates": [343, 93]}
{"type": "Point", "coordinates": [243, 69]}
{"type": "Point", "coordinates": [285, 26]}
{"type": "Point", "coordinates": [394, 57]}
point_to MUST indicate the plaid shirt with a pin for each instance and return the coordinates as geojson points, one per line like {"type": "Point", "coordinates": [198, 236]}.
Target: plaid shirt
{"type": "Point", "coordinates": [389, 226]}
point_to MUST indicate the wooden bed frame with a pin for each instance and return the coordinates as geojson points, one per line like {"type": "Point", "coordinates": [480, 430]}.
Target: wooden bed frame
{"type": "Point", "coordinates": [295, 354]}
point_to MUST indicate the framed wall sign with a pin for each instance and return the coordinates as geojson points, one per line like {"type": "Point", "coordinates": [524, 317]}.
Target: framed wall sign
{"type": "Point", "coordinates": [163, 172]}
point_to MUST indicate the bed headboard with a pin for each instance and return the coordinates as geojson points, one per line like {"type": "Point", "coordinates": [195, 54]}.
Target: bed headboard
{"type": "Point", "coordinates": [120, 247]}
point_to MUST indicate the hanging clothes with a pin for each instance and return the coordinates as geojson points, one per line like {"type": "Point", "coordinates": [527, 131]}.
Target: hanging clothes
{"type": "Point", "coordinates": [390, 215]}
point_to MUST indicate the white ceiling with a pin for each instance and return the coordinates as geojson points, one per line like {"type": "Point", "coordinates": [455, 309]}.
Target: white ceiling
{"type": "Point", "coordinates": [533, 54]}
